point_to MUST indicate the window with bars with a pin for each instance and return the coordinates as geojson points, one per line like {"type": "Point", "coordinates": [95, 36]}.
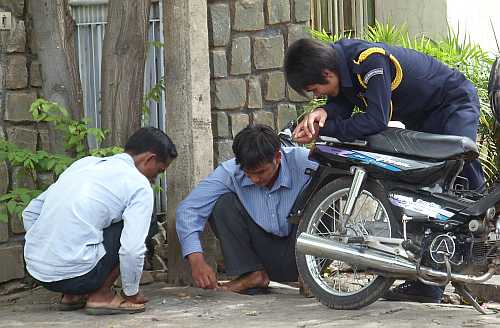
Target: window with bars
{"type": "Point", "coordinates": [90, 17]}
{"type": "Point", "coordinates": [342, 17]}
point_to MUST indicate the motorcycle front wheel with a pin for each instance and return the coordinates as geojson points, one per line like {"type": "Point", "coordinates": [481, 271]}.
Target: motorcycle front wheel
{"type": "Point", "coordinates": [334, 283]}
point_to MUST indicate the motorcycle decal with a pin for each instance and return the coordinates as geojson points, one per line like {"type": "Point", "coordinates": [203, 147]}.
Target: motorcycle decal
{"type": "Point", "coordinates": [420, 206]}
{"type": "Point", "coordinates": [383, 161]}
{"type": "Point", "coordinates": [443, 246]}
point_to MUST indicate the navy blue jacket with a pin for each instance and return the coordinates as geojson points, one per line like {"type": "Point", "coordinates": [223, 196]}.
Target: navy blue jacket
{"type": "Point", "coordinates": [427, 86]}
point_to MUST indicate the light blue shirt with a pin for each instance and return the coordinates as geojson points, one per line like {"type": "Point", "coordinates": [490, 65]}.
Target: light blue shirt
{"type": "Point", "coordinates": [269, 208]}
{"type": "Point", "coordinates": [64, 225]}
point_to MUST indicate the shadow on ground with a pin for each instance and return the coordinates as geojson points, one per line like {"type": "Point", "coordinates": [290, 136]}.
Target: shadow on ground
{"type": "Point", "coordinates": [192, 307]}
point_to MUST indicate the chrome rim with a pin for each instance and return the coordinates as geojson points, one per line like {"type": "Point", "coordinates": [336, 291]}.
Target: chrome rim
{"type": "Point", "coordinates": [369, 217]}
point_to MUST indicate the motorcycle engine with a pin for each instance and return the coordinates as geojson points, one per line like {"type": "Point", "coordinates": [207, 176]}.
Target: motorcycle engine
{"type": "Point", "coordinates": [436, 247]}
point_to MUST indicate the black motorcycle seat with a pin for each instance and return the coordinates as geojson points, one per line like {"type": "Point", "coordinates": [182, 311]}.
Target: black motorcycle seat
{"type": "Point", "coordinates": [421, 144]}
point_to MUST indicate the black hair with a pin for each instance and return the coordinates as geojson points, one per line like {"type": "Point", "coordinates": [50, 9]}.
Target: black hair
{"type": "Point", "coordinates": [255, 145]}
{"type": "Point", "coordinates": [153, 140]}
{"type": "Point", "coordinates": [305, 61]}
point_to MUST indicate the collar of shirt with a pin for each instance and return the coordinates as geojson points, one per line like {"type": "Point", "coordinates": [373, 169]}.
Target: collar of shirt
{"type": "Point", "coordinates": [345, 74]}
{"type": "Point", "coordinates": [124, 157]}
{"type": "Point", "coordinates": [283, 180]}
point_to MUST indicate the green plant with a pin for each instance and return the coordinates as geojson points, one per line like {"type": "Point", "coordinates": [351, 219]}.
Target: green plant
{"type": "Point", "coordinates": [34, 164]}
{"type": "Point", "coordinates": [457, 52]}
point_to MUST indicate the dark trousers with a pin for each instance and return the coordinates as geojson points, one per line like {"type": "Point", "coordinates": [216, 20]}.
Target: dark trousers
{"type": "Point", "coordinates": [460, 117]}
{"type": "Point", "coordinates": [247, 247]}
{"type": "Point", "coordinates": [94, 279]}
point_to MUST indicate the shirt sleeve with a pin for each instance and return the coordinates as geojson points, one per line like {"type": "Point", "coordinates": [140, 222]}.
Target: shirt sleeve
{"type": "Point", "coordinates": [376, 73]}
{"type": "Point", "coordinates": [338, 107]}
{"type": "Point", "coordinates": [32, 211]}
{"type": "Point", "coordinates": [136, 222]}
{"type": "Point", "coordinates": [193, 212]}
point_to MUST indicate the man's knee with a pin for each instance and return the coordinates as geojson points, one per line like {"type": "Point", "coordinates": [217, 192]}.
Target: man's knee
{"type": "Point", "coordinates": [227, 203]}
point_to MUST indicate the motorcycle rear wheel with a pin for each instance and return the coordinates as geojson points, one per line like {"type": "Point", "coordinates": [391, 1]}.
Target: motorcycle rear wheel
{"type": "Point", "coordinates": [337, 284]}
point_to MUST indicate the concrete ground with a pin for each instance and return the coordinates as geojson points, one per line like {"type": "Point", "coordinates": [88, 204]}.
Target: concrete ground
{"type": "Point", "coordinates": [192, 307]}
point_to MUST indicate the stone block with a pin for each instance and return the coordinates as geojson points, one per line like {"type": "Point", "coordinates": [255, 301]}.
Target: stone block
{"type": "Point", "coordinates": [4, 225]}
{"type": "Point", "coordinates": [21, 178]}
{"type": "Point", "coordinates": [45, 179]}
{"type": "Point", "coordinates": [16, 225]}
{"type": "Point", "coordinates": [295, 96]}
{"type": "Point", "coordinates": [17, 105]}
{"type": "Point", "coordinates": [239, 121]}
{"type": "Point", "coordinates": [219, 24]}
{"type": "Point", "coordinates": [241, 62]}
{"type": "Point", "coordinates": [2, 77]}
{"type": "Point", "coordinates": [14, 6]}
{"type": "Point", "coordinates": [4, 177]}
{"type": "Point", "coordinates": [285, 114]}
{"type": "Point", "coordinates": [278, 11]}
{"type": "Point", "coordinates": [16, 75]}
{"type": "Point", "coordinates": [218, 63]}
{"type": "Point", "coordinates": [160, 275]}
{"type": "Point", "coordinates": [268, 52]}
{"type": "Point", "coordinates": [296, 32]}
{"type": "Point", "coordinates": [248, 15]}
{"type": "Point", "coordinates": [220, 125]}
{"type": "Point", "coordinates": [223, 151]}
{"type": "Point", "coordinates": [302, 10]}
{"type": "Point", "coordinates": [12, 266]}
{"type": "Point", "coordinates": [24, 137]}
{"type": "Point", "coordinates": [16, 41]}
{"type": "Point", "coordinates": [44, 139]}
{"type": "Point", "coordinates": [263, 117]}
{"type": "Point", "coordinates": [36, 74]}
{"type": "Point", "coordinates": [254, 93]}
{"type": "Point", "coordinates": [229, 94]}
{"type": "Point", "coordinates": [275, 86]}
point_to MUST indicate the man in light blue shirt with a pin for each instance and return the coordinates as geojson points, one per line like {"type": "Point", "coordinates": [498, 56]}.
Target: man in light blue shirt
{"type": "Point", "coordinates": [247, 200]}
{"type": "Point", "coordinates": [90, 226]}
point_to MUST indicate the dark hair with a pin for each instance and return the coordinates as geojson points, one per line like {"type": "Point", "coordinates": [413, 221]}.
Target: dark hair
{"type": "Point", "coordinates": [153, 140]}
{"type": "Point", "coordinates": [305, 61]}
{"type": "Point", "coordinates": [255, 145]}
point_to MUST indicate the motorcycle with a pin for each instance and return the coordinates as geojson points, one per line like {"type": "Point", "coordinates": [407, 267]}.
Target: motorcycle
{"type": "Point", "coordinates": [391, 207]}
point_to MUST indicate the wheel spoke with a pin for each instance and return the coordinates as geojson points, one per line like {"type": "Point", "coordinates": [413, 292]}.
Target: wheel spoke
{"type": "Point", "coordinates": [335, 276]}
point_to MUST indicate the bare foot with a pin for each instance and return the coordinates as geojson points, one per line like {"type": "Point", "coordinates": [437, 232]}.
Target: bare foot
{"type": "Point", "coordinates": [246, 281]}
{"type": "Point", "coordinates": [103, 295]}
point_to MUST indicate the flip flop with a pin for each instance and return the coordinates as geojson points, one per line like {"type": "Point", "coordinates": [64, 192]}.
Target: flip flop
{"type": "Point", "coordinates": [116, 306]}
{"type": "Point", "coordinates": [71, 306]}
{"type": "Point", "coordinates": [255, 291]}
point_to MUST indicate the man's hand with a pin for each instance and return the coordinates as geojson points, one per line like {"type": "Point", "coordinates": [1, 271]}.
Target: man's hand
{"type": "Point", "coordinates": [308, 129]}
{"type": "Point", "coordinates": [138, 298]}
{"type": "Point", "coordinates": [203, 275]}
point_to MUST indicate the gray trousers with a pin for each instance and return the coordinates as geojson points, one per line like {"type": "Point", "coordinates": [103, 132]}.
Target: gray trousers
{"type": "Point", "coordinates": [247, 247]}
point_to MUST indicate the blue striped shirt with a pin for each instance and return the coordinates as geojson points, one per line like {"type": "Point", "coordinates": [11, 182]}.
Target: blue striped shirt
{"type": "Point", "coordinates": [268, 207]}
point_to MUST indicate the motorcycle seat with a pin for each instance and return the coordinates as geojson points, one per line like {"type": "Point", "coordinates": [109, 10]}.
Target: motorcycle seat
{"type": "Point", "coordinates": [421, 144]}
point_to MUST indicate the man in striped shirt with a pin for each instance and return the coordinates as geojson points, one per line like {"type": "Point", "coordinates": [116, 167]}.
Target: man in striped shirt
{"type": "Point", "coordinates": [247, 201]}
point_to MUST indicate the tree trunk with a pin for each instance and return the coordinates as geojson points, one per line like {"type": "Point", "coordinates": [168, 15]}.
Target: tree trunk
{"type": "Point", "coordinates": [188, 117]}
{"type": "Point", "coordinates": [54, 32]}
{"type": "Point", "coordinates": [124, 56]}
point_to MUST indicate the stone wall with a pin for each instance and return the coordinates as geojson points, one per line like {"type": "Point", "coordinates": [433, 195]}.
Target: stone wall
{"type": "Point", "coordinates": [248, 39]}
{"type": "Point", "coordinates": [20, 82]}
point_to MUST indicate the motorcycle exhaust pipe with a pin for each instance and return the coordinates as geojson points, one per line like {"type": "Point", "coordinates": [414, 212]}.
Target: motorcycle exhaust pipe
{"type": "Point", "coordinates": [374, 259]}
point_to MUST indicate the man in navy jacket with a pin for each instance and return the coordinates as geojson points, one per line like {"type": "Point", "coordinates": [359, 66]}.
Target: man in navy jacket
{"type": "Point", "coordinates": [386, 83]}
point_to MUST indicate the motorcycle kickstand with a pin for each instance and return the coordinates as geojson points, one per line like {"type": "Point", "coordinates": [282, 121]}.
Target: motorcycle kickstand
{"type": "Point", "coordinates": [462, 290]}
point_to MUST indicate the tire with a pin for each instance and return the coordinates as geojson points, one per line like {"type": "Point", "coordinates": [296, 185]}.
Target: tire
{"type": "Point", "coordinates": [317, 273]}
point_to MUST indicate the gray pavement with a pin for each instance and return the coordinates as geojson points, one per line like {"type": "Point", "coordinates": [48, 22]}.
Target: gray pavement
{"type": "Point", "coordinates": [192, 307]}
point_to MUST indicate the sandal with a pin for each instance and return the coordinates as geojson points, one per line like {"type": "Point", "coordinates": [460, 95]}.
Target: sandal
{"type": "Point", "coordinates": [116, 306]}
{"type": "Point", "coordinates": [79, 304]}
